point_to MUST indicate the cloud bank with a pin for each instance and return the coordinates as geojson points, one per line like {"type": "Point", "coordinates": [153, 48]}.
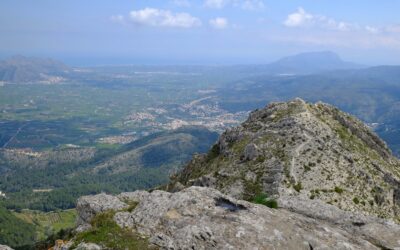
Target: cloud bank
{"type": "Point", "coordinates": [163, 18]}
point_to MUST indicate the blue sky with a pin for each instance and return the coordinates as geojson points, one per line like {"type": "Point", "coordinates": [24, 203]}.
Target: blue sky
{"type": "Point", "coordinates": [199, 32]}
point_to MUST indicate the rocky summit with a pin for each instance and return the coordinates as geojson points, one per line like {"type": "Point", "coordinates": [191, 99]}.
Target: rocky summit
{"type": "Point", "coordinates": [297, 150]}
{"type": "Point", "coordinates": [295, 175]}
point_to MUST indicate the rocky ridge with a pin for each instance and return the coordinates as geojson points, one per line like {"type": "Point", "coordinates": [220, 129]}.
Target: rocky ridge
{"type": "Point", "coordinates": [310, 151]}
{"type": "Point", "coordinates": [336, 183]}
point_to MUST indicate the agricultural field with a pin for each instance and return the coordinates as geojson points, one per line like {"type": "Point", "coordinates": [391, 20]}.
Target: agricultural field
{"type": "Point", "coordinates": [49, 223]}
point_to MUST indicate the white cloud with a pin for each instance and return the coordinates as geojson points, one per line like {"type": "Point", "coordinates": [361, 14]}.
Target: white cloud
{"type": "Point", "coordinates": [219, 23]}
{"type": "Point", "coordinates": [244, 4]}
{"type": "Point", "coordinates": [252, 5]}
{"type": "Point", "coordinates": [372, 30]}
{"type": "Point", "coordinates": [216, 4]}
{"type": "Point", "coordinates": [181, 3]}
{"type": "Point", "coordinates": [163, 18]}
{"type": "Point", "coordinates": [299, 18]}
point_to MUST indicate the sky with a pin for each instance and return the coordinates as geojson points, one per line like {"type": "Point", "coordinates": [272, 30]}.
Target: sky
{"type": "Point", "coordinates": [105, 32]}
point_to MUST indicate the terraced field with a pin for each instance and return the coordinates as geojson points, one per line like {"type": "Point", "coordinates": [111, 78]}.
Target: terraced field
{"type": "Point", "coordinates": [49, 223]}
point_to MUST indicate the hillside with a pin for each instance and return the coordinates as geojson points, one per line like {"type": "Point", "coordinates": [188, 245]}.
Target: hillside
{"type": "Point", "coordinates": [14, 231]}
{"type": "Point", "coordinates": [54, 179]}
{"type": "Point", "coordinates": [295, 175]}
{"type": "Point", "coordinates": [20, 69]}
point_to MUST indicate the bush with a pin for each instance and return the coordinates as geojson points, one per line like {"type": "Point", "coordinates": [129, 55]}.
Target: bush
{"type": "Point", "coordinates": [298, 187]}
{"type": "Point", "coordinates": [356, 200]}
{"type": "Point", "coordinates": [264, 200]}
{"type": "Point", "coordinates": [107, 233]}
{"type": "Point", "coordinates": [339, 190]}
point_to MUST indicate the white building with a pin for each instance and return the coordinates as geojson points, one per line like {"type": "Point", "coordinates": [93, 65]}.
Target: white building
{"type": "Point", "coordinates": [3, 195]}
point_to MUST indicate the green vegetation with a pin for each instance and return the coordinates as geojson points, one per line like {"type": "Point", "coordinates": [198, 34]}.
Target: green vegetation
{"type": "Point", "coordinates": [142, 164]}
{"type": "Point", "coordinates": [264, 200]}
{"type": "Point", "coordinates": [213, 153]}
{"type": "Point", "coordinates": [50, 223]}
{"type": "Point", "coordinates": [238, 146]}
{"type": "Point", "coordinates": [298, 187]}
{"type": "Point", "coordinates": [339, 190]}
{"type": "Point", "coordinates": [15, 232]}
{"type": "Point", "coordinates": [105, 232]}
{"type": "Point", "coordinates": [356, 200]}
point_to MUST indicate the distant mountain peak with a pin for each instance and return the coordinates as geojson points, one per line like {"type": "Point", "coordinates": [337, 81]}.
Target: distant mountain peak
{"type": "Point", "coordinates": [328, 56]}
{"type": "Point", "coordinates": [310, 62]}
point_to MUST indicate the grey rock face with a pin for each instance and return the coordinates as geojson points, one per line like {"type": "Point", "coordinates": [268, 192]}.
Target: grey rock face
{"type": "Point", "coordinates": [204, 218]}
{"type": "Point", "coordinates": [88, 206]}
{"type": "Point", "coordinates": [136, 196]}
{"type": "Point", "coordinates": [88, 246]}
{"type": "Point", "coordinates": [3, 247]}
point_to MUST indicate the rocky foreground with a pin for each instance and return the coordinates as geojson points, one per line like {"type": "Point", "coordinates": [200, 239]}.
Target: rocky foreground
{"type": "Point", "coordinates": [204, 218]}
{"type": "Point", "coordinates": [293, 176]}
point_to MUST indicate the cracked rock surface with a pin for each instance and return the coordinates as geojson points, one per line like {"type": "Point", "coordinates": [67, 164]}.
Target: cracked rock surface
{"type": "Point", "coordinates": [204, 218]}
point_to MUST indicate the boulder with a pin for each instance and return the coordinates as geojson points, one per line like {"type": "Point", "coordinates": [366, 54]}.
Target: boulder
{"type": "Point", "coordinates": [88, 206]}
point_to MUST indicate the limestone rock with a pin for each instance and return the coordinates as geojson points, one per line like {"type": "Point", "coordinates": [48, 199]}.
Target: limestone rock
{"type": "Point", "coordinates": [204, 218]}
{"type": "Point", "coordinates": [3, 247]}
{"type": "Point", "coordinates": [88, 206]}
{"type": "Point", "coordinates": [136, 196]}
{"type": "Point", "coordinates": [88, 246]}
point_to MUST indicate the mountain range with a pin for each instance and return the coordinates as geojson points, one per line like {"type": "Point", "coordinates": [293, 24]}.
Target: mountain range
{"type": "Point", "coordinates": [20, 69]}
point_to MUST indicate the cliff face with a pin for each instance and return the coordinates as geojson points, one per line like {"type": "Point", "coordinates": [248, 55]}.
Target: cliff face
{"type": "Point", "coordinates": [335, 182]}
{"type": "Point", "coordinates": [305, 151]}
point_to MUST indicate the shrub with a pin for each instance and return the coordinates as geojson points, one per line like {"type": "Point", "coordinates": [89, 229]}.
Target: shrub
{"type": "Point", "coordinates": [107, 233]}
{"type": "Point", "coordinates": [356, 200]}
{"type": "Point", "coordinates": [213, 153]}
{"type": "Point", "coordinates": [264, 200]}
{"type": "Point", "coordinates": [298, 187]}
{"type": "Point", "coordinates": [339, 190]}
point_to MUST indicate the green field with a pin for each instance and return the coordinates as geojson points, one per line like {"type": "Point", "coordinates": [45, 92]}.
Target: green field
{"type": "Point", "coordinates": [50, 223]}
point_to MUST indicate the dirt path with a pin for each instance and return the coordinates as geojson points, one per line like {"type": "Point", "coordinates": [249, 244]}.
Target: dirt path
{"type": "Point", "coordinates": [15, 135]}
{"type": "Point", "coordinates": [297, 154]}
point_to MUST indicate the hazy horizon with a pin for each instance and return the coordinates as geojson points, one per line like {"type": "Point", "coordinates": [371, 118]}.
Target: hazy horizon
{"type": "Point", "coordinates": [205, 32]}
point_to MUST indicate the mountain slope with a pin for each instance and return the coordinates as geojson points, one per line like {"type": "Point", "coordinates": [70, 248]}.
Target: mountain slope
{"type": "Point", "coordinates": [311, 151]}
{"type": "Point", "coordinates": [20, 69]}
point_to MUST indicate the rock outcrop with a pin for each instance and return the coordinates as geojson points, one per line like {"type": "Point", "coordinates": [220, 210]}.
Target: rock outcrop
{"type": "Point", "coordinates": [3, 247]}
{"type": "Point", "coordinates": [313, 151]}
{"type": "Point", "coordinates": [204, 218]}
{"type": "Point", "coordinates": [89, 206]}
